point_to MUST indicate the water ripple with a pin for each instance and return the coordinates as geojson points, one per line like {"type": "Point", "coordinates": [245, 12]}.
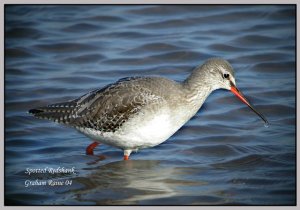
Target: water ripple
{"type": "Point", "coordinates": [222, 156]}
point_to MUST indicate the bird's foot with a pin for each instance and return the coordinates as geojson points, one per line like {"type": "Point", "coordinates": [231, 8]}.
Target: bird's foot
{"type": "Point", "coordinates": [91, 147]}
{"type": "Point", "coordinates": [126, 154]}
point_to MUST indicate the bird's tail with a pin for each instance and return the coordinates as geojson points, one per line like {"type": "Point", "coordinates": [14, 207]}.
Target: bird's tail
{"type": "Point", "coordinates": [59, 112]}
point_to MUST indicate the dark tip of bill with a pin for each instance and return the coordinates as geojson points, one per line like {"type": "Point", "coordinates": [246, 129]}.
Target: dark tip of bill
{"type": "Point", "coordinates": [35, 111]}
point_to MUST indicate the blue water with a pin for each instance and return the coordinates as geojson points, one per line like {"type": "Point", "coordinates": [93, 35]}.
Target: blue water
{"type": "Point", "coordinates": [222, 156]}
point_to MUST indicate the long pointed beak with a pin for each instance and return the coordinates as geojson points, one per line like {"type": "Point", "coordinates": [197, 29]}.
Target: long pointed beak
{"type": "Point", "coordinates": [243, 99]}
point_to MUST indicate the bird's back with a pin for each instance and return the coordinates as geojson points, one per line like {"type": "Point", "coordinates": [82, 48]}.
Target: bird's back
{"type": "Point", "coordinates": [106, 109]}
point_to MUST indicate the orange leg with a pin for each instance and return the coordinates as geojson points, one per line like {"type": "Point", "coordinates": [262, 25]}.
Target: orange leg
{"type": "Point", "coordinates": [126, 154]}
{"type": "Point", "coordinates": [91, 147]}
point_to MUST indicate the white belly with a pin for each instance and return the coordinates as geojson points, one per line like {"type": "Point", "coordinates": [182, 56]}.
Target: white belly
{"type": "Point", "coordinates": [145, 130]}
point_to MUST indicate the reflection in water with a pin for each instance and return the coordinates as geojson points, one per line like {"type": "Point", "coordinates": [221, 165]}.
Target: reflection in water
{"type": "Point", "coordinates": [140, 180]}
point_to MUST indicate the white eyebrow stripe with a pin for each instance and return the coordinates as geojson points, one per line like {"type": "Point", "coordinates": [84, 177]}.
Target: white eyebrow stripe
{"type": "Point", "coordinates": [223, 69]}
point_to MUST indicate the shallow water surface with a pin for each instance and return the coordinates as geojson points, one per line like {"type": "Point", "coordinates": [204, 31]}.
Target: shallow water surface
{"type": "Point", "coordinates": [223, 155]}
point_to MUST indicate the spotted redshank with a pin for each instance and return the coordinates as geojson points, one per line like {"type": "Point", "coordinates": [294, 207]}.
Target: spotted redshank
{"type": "Point", "coordinates": [140, 112]}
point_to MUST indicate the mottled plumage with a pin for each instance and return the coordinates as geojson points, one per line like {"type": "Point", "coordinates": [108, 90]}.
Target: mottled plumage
{"type": "Point", "coordinates": [140, 112]}
{"type": "Point", "coordinates": [106, 109]}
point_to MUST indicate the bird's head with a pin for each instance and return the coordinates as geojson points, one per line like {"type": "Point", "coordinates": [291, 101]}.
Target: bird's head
{"type": "Point", "coordinates": [219, 74]}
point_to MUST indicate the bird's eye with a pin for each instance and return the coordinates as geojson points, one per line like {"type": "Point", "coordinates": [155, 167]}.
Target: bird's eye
{"type": "Point", "coordinates": [226, 75]}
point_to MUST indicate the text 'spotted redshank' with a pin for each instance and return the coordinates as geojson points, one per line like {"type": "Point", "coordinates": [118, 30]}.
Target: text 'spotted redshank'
{"type": "Point", "coordinates": [140, 112]}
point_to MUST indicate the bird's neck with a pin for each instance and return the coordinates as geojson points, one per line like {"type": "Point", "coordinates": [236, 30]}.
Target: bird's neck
{"type": "Point", "coordinates": [198, 87]}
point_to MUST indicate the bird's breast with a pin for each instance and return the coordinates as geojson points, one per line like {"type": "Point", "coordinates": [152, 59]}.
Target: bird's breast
{"type": "Point", "coordinates": [146, 129]}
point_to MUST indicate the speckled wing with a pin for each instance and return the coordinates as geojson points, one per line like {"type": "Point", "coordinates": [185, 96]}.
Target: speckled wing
{"type": "Point", "coordinates": [108, 108]}
{"type": "Point", "coordinates": [105, 109]}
